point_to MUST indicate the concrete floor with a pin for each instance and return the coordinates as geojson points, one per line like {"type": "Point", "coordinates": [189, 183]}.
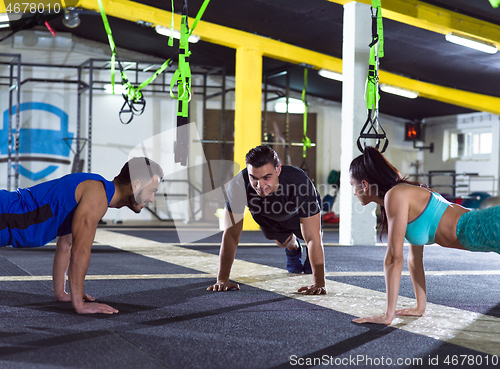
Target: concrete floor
{"type": "Point", "coordinates": [167, 318]}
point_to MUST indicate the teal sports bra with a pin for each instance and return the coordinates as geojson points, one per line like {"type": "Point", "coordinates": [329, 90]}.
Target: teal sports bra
{"type": "Point", "coordinates": [422, 230]}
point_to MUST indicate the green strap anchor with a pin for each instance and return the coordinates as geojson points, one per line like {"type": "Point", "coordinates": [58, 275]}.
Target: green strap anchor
{"type": "Point", "coordinates": [182, 77]}
{"type": "Point", "coordinates": [372, 129]}
{"type": "Point", "coordinates": [306, 141]}
{"type": "Point", "coordinates": [134, 100]}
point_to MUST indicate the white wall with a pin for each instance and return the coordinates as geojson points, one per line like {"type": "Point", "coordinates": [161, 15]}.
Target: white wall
{"type": "Point", "coordinates": [487, 168]}
{"type": "Point", "coordinates": [401, 154]}
{"type": "Point", "coordinates": [112, 141]}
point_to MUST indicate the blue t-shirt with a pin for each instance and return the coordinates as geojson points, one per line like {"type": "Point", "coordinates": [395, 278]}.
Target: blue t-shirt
{"type": "Point", "coordinates": [34, 216]}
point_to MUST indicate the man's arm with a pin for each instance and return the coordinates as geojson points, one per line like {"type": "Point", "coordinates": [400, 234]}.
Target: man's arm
{"type": "Point", "coordinates": [311, 230]}
{"type": "Point", "coordinates": [230, 241]}
{"type": "Point", "coordinates": [60, 268]}
{"type": "Point", "coordinates": [91, 207]}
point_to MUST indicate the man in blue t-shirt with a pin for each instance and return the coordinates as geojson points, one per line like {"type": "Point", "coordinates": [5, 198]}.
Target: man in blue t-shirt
{"type": "Point", "coordinates": [70, 208]}
{"type": "Point", "coordinates": [286, 205]}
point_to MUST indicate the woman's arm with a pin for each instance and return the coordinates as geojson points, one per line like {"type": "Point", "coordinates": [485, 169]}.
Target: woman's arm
{"type": "Point", "coordinates": [396, 207]}
{"type": "Point", "coordinates": [416, 267]}
{"type": "Point", "coordinates": [393, 266]}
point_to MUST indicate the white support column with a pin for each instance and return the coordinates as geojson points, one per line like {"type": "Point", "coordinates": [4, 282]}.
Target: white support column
{"type": "Point", "coordinates": [357, 222]}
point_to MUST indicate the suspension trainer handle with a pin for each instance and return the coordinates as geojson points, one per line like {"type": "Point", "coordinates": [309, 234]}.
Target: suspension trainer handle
{"type": "Point", "coordinates": [376, 136]}
{"type": "Point", "coordinates": [372, 129]}
{"type": "Point", "coordinates": [372, 132]}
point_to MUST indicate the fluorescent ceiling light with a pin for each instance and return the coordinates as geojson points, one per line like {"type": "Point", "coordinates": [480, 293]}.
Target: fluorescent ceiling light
{"type": "Point", "coordinates": [472, 43]}
{"type": "Point", "coordinates": [399, 91]}
{"type": "Point", "coordinates": [295, 106]}
{"type": "Point", "coordinates": [330, 74]}
{"type": "Point", "coordinates": [164, 31]}
{"type": "Point", "coordinates": [6, 17]}
{"type": "Point", "coordinates": [118, 89]}
{"type": "Point", "coordinates": [71, 18]}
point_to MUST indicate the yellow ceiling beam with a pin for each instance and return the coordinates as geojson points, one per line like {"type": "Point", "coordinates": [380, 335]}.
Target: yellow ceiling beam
{"type": "Point", "coordinates": [217, 34]}
{"type": "Point", "coordinates": [233, 38]}
{"type": "Point", "coordinates": [443, 21]}
{"type": "Point", "coordinates": [448, 95]}
{"type": "Point", "coordinates": [392, 9]}
{"type": "Point", "coordinates": [435, 19]}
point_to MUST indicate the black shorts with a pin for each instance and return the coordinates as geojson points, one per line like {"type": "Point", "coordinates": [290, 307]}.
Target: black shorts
{"type": "Point", "coordinates": [281, 236]}
{"type": "Point", "coordinates": [280, 231]}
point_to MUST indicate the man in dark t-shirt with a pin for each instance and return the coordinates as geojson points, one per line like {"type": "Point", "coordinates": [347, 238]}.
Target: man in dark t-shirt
{"type": "Point", "coordinates": [286, 205]}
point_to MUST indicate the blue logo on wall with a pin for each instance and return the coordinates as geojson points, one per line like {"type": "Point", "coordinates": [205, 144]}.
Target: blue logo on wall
{"type": "Point", "coordinates": [36, 142]}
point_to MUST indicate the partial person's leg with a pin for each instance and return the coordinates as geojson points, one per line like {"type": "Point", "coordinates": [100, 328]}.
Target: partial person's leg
{"type": "Point", "coordinates": [306, 268]}
{"type": "Point", "coordinates": [479, 230]}
{"type": "Point", "coordinates": [293, 253]}
{"type": "Point", "coordinates": [291, 243]}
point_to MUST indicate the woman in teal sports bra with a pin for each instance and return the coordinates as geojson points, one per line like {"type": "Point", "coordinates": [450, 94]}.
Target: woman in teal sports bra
{"type": "Point", "coordinates": [412, 211]}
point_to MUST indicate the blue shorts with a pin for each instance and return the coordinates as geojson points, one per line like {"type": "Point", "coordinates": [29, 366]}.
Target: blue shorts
{"type": "Point", "coordinates": [479, 230]}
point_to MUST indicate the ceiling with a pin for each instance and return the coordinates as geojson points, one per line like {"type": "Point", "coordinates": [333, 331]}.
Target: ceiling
{"type": "Point", "coordinates": [317, 25]}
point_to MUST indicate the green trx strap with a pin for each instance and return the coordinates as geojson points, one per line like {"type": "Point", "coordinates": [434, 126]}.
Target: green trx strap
{"type": "Point", "coordinates": [164, 66]}
{"type": "Point", "coordinates": [133, 96]}
{"type": "Point", "coordinates": [372, 129]}
{"type": "Point", "coordinates": [376, 52]}
{"type": "Point", "coordinates": [171, 37]}
{"type": "Point", "coordinates": [167, 63]}
{"type": "Point", "coordinates": [134, 101]}
{"type": "Point", "coordinates": [198, 16]}
{"type": "Point", "coordinates": [306, 142]}
{"type": "Point", "coordinates": [495, 3]}
{"type": "Point", "coordinates": [111, 43]}
{"type": "Point", "coordinates": [182, 77]}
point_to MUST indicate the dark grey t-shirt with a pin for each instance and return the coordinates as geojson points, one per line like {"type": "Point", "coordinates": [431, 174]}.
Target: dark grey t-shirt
{"type": "Point", "coordinates": [295, 198]}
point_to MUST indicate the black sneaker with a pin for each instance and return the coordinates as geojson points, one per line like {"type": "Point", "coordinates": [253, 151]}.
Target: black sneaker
{"type": "Point", "coordinates": [293, 260]}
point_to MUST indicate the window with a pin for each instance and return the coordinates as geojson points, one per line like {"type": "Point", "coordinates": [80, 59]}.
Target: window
{"type": "Point", "coordinates": [473, 144]}
{"type": "Point", "coordinates": [482, 143]}
{"type": "Point", "coordinates": [459, 145]}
